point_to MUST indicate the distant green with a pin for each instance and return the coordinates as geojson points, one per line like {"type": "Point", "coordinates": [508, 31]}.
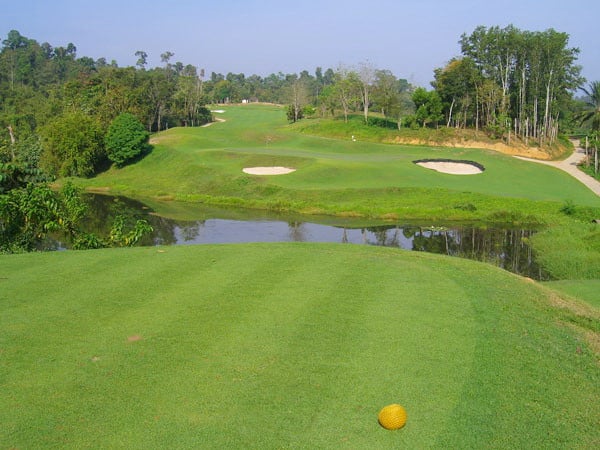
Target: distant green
{"type": "Point", "coordinates": [287, 346]}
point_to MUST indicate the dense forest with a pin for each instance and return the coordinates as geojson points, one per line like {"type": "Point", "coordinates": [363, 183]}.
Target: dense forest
{"type": "Point", "coordinates": [63, 115]}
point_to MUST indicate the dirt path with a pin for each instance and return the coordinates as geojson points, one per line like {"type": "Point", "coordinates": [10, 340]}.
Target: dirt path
{"type": "Point", "coordinates": [569, 165]}
{"type": "Point", "coordinates": [217, 119]}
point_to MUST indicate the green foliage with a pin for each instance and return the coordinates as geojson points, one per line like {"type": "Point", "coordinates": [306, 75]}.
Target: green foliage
{"type": "Point", "coordinates": [119, 237]}
{"type": "Point", "coordinates": [569, 208]}
{"type": "Point", "coordinates": [29, 214]}
{"type": "Point", "coordinates": [569, 252]}
{"type": "Point", "coordinates": [15, 174]}
{"type": "Point", "coordinates": [293, 114]}
{"type": "Point", "coordinates": [525, 75]}
{"type": "Point", "coordinates": [73, 145]}
{"type": "Point", "coordinates": [383, 123]}
{"type": "Point", "coordinates": [126, 139]}
{"type": "Point", "coordinates": [428, 107]}
{"type": "Point", "coordinates": [308, 111]}
{"type": "Point", "coordinates": [592, 113]}
{"type": "Point", "coordinates": [499, 127]}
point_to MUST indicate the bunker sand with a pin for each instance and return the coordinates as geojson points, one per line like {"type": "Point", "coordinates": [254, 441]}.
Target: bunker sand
{"type": "Point", "coordinates": [453, 168]}
{"type": "Point", "coordinates": [276, 170]}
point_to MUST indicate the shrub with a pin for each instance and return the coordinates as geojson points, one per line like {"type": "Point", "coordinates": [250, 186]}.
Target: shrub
{"type": "Point", "coordinates": [126, 139]}
{"type": "Point", "coordinates": [568, 208]}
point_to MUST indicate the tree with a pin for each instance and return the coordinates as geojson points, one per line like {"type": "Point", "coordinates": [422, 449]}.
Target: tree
{"type": "Point", "coordinates": [299, 98]}
{"type": "Point", "coordinates": [593, 102]}
{"type": "Point", "coordinates": [187, 100]}
{"type": "Point", "coordinates": [428, 106]}
{"type": "Point", "coordinates": [456, 85]}
{"type": "Point", "coordinates": [12, 44]}
{"type": "Point", "coordinates": [386, 93]}
{"type": "Point", "coordinates": [532, 74]}
{"type": "Point", "coordinates": [366, 75]}
{"type": "Point", "coordinates": [142, 59]}
{"type": "Point", "coordinates": [347, 89]}
{"type": "Point", "coordinates": [157, 90]}
{"type": "Point", "coordinates": [72, 145]}
{"type": "Point", "coordinates": [328, 100]}
{"type": "Point", "coordinates": [126, 139]}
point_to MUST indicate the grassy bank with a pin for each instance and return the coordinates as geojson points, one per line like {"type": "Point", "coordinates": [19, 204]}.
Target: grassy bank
{"type": "Point", "coordinates": [585, 290]}
{"type": "Point", "coordinates": [386, 131]}
{"type": "Point", "coordinates": [288, 345]}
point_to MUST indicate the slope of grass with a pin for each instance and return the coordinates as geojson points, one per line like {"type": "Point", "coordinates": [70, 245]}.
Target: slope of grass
{"type": "Point", "coordinates": [585, 290]}
{"type": "Point", "coordinates": [285, 345]}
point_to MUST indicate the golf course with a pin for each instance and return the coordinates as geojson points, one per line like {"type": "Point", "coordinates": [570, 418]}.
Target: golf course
{"type": "Point", "coordinates": [300, 345]}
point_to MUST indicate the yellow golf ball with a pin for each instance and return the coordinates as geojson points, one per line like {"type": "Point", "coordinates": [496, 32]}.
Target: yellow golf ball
{"type": "Point", "coordinates": [392, 417]}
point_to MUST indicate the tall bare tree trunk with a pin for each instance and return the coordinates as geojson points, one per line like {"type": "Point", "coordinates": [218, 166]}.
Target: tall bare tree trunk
{"type": "Point", "coordinates": [547, 106]}
{"type": "Point", "coordinates": [450, 114]}
{"type": "Point", "coordinates": [535, 118]}
{"type": "Point", "coordinates": [587, 156]}
{"type": "Point", "coordinates": [13, 141]}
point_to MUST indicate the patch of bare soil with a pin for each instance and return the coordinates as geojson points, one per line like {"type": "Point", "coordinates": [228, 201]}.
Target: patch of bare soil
{"type": "Point", "coordinates": [517, 149]}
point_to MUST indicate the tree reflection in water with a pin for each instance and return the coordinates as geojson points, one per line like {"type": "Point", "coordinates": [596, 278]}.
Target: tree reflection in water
{"type": "Point", "coordinates": [506, 248]}
{"type": "Point", "coordinates": [503, 247]}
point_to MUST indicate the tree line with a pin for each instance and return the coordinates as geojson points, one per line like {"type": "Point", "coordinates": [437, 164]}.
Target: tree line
{"type": "Point", "coordinates": [519, 82]}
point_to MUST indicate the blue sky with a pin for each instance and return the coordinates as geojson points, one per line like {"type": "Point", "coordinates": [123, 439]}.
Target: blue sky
{"type": "Point", "coordinates": [410, 38]}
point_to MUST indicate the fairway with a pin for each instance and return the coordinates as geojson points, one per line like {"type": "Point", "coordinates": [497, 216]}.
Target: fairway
{"type": "Point", "coordinates": [332, 176]}
{"type": "Point", "coordinates": [287, 346]}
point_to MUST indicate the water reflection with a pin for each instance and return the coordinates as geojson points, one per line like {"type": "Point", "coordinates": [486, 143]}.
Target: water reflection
{"type": "Point", "coordinates": [506, 248]}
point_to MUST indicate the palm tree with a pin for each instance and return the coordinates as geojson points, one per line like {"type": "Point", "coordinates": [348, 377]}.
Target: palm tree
{"type": "Point", "coordinates": [593, 115]}
{"type": "Point", "coordinates": [592, 100]}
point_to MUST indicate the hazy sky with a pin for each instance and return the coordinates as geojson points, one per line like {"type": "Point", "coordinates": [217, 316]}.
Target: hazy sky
{"type": "Point", "coordinates": [410, 38]}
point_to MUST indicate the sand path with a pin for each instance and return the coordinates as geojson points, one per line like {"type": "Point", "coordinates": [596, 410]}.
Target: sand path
{"type": "Point", "coordinates": [217, 119]}
{"type": "Point", "coordinates": [569, 165]}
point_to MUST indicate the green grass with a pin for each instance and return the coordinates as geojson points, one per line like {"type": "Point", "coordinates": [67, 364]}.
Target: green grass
{"type": "Point", "coordinates": [287, 346]}
{"type": "Point", "coordinates": [585, 290]}
{"type": "Point", "coordinates": [334, 176]}
{"type": "Point", "coordinates": [569, 252]}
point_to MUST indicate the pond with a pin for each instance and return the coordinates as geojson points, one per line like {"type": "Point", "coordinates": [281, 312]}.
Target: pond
{"type": "Point", "coordinates": [503, 247]}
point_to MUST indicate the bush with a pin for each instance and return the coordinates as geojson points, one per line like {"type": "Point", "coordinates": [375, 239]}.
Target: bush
{"type": "Point", "coordinates": [72, 145]}
{"type": "Point", "coordinates": [568, 208]}
{"type": "Point", "coordinates": [126, 139]}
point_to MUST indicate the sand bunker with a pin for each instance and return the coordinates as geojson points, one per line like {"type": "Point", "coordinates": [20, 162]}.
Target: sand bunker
{"type": "Point", "coordinates": [451, 167]}
{"type": "Point", "coordinates": [268, 170]}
